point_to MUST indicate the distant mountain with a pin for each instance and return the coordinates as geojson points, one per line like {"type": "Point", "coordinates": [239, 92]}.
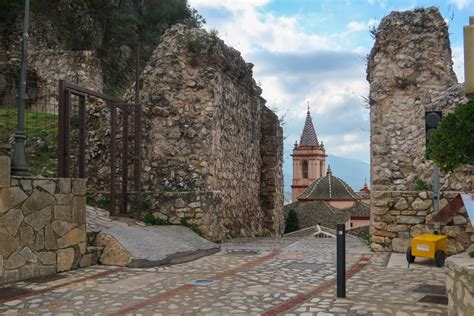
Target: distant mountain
{"type": "Point", "coordinates": [352, 171]}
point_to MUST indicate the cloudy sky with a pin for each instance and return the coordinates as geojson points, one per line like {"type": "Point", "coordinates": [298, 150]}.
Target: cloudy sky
{"type": "Point", "coordinates": [315, 50]}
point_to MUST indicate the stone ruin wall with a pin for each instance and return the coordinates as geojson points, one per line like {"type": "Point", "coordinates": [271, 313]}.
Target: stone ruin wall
{"type": "Point", "coordinates": [410, 72]}
{"type": "Point", "coordinates": [205, 130]}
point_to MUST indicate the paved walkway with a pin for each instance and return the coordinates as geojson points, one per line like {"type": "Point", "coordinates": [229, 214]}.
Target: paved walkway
{"type": "Point", "coordinates": [265, 276]}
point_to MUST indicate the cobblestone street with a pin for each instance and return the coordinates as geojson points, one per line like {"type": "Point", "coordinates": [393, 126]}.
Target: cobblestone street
{"type": "Point", "coordinates": [269, 276]}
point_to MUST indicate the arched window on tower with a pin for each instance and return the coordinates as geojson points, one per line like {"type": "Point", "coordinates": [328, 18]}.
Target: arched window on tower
{"type": "Point", "coordinates": [305, 169]}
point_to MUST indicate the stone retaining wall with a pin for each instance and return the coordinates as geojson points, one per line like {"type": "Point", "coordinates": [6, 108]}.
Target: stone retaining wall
{"type": "Point", "coordinates": [460, 284]}
{"type": "Point", "coordinates": [398, 216]}
{"type": "Point", "coordinates": [198, 207]}
{"type": "Point", "coordinates": [42, 225]}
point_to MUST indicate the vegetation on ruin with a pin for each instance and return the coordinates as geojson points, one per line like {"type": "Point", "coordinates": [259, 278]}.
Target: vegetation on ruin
{"type": "Point", "coordinates": [452, 144]}
{"type": "Point", "coordinates": [114, 29]}
{"type": "Point", "coordinates": [420, 185]}
{"type": "Point", "coordinates": [151, 219]}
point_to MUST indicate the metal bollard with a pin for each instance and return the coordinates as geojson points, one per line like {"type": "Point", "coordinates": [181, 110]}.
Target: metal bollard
{"type": "Point", "coordinates": [341, 261]}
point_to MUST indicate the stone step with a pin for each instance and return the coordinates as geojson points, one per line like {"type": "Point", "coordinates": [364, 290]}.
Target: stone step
{"type": "Point", "coordinates": [140, 247]}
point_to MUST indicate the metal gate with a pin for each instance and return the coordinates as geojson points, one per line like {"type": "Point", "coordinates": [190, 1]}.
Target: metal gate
{"type": "Point", "coordinates": [125, 133]}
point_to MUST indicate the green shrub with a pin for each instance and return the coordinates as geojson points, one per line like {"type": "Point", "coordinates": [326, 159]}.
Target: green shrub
{"type": "Point", "coordinates": [421, 185]}
{"type": "Point", "coordinates": [195, 228]}
{"type": "Point", "coordinates": [150, 219]}
{"type": "Point", "coordinates": [292, 222]}
{"type": "Point", "coordinates": [471, 254]}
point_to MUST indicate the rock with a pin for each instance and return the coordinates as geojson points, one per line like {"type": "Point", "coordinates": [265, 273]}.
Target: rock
{"type": "Point", "coordinates": [410, 219]}
{"type": "Point", "coordinates": [28, 271]}
{"type": "Point", "coordinates": [71, 238]}
{"type": "Point", "coordinates": [49, 238]}
{"type": "Point", "coordinates": [38, 200]}
{"type": "Point", "coordinates": [402, 204]}
{"type": "Point", "coordinates": [11, 221]}
{"type": "Point", "coordinates": [459, 220]}
{"type": "Point", "coordinates": [61, 227]}
{"type": "Point", "coordinates": [10, 197]}
{"type": "Point", "coordinates": [113, 253]}
{"type": "Point", "coordinates": [179, 203]}
{"type": "Point", "coordinates": [14, 261]}
{"type": "Point", "coordinates": [47, 185]}
{"type": "Point", "coordinates": [39, 241]}
{"type": "Point", "coordinates": [4, 171]}
{"type": "Point", "coordinates": [47, 258]}
{"type": "Point", "coordinates": [39, 219]}
{"type": "Point", "coordinates": [397, 228]}
{"type": "Point", "coordinates": [419, 230]}
{"type": "Point", "coordinates": [79, 187]}
{"type": "Point", "coordinates": [28, 255]}
{"type": "Point", "coordinates": [86, 260]}
{"type": "Point", "coordinates": [451, 231]}
{"type": "Point", "coordinates": [65, 185]}
{"type": "Point", "coordinates": [421, 205]}
{"type": "Point", "coordinates": [1, 266]}
{"type": "Point", "coordinates": [63, 213]}
{"type": "Point", "coordinates": [65, 259]}
{"type": "Point", "coordinates": [79, 210]}
{"type": "Point", "coordinates": [8, 244]}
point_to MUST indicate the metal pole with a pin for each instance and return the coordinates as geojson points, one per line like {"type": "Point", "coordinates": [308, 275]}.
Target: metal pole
{"type": "Point", "coordinates": [19, 165]}
{"type": "Point", "coordinates": [436, 194]}
{"type": "Point", "coordinates": [341, 261]}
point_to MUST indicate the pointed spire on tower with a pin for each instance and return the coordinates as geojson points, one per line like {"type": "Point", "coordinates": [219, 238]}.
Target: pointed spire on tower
{"type": "Point", "coordinates": [329, 173]}
{"type": "Point", "coordinates": [308, 137]}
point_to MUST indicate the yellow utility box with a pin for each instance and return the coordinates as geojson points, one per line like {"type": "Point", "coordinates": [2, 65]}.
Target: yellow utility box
{"type": "Point", "coordinates": [428, 246]}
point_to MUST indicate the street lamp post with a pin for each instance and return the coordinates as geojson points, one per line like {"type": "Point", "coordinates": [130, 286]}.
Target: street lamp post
{"type": "Point", "coordinates": [19, 166]}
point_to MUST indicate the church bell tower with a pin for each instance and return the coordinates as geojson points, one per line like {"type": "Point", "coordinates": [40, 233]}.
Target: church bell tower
{"type": "Point", "coordinates": [309, 159]}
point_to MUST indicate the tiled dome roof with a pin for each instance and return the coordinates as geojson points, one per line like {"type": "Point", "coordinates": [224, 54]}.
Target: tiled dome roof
{"type": "Point", "coordinates": [329, 187]}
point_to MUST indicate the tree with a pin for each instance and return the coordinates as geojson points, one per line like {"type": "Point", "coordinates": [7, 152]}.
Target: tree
{"type": "Point", "coordinates": [292, 223]}
{"type": "Point", "coordinates": [452, 144]}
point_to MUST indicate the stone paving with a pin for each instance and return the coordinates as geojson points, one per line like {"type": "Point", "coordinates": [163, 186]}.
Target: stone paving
{"type": "Point", "coordinates": [263, 276]}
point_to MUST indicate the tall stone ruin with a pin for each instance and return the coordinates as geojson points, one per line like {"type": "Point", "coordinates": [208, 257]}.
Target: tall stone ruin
{"type": "Point", "coordinates": [212, 151]}
{"type": "Point", "coordinates": [410, 72]}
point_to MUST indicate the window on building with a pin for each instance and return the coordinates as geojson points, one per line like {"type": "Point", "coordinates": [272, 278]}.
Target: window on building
{"type": "Point", "coordinates": [305, 169]}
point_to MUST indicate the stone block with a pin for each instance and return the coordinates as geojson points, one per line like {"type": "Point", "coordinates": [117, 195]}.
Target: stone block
{"type": "Point", "coordinates": [63, 212]}
{"type": "Point", "coordinates": [400, 244]}
{"type": "Point", "coordinates": [459, 220]}
{"type": "Point", "coordinates": [65, 259]}
{"type": "Point", "coordinates": [71, 238]}
{"type": "Point", "coordinates": [38, 200]}
{"type": "Point", "coordinates": [79, 186]}
{"type": "Point", "coordinates": [39, 240]}
{"type": "Point", "coordinates": [401, 204]}
{"type": "Point", "coordinates": [451, 231]}
{"type": "Point", "coordinates": [14, 261]}
{"type": "Point", "coordinates": [384, 233]}
{"type": "Point", "coordinates": [49, 238]}
{"type": "Point", "coordinates": [64, 199]}
{"type": "Point", "coordinates": [79, 210]}
{"type": "Point", "coordinates": [4, 171]}
{"type": "Point", "coordinates": [39, 219]}
{"type": "Point", "coordinates": [10, 276]}
{"type": "Point", "coordinates": [8, 244]}
{"type": "Point", "coordinates": [61, 227]}
{"type": "Point", "coordinates": [86, 260]}
{"type": "Point", "coordinates": [418, 230]}
{"type": "Point", "coordinates": [46, 185]}
{"type": "Point", "coordinates": [179, 203]}
{"type": "Point", "coordinates": [410, 219]}
{"type": "Point", "coordinates": [1, 266]}
{"type": "Point", "coordinates": [397, 228]}
{"type": "Point", "coordinates": [28, 271]}
{"type": "Point", "coordinates": [47, 257]}
{"type": "Point", "coordinates": [113, 253]}
{"type": "Point", "coordinates": [376, 225]}
{"type": "Point", "coordinates": [47, 270]}
{"type": "Point", "coordinates": [10, 198]}
{"type": "Point", "coordinates": [11, 221]}
{"type": "Point", "coordinates": [378, 210]}
{"type": "Point", "coordinates": [28, 255]}
{"type": "Point", "coordinates": [65, 185]}
{"type": "Point", "coordinates": [26, 185]}
{"type": "Point", "coordinates": [378, 239]}
{"type": "Point", "coordinates": [421, 205]}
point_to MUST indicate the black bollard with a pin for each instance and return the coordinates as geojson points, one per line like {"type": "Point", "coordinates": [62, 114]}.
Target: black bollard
{"type": "Point", "coordinates": [341, 261]}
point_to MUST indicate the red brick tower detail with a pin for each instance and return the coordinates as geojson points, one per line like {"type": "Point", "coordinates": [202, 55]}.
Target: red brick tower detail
{"type": "Point", "coordinates": [309, 159]}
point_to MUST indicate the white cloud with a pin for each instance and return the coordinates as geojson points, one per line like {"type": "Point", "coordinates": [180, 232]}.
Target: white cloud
{"type": "Point", "coordinates": [461, 4]}
{"type": "Point", "coordinates": [230, 5]}
{"type": "Point", "coordinates": [355, 26]}
{"type": "Point", "coordinates": [458, 62]}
